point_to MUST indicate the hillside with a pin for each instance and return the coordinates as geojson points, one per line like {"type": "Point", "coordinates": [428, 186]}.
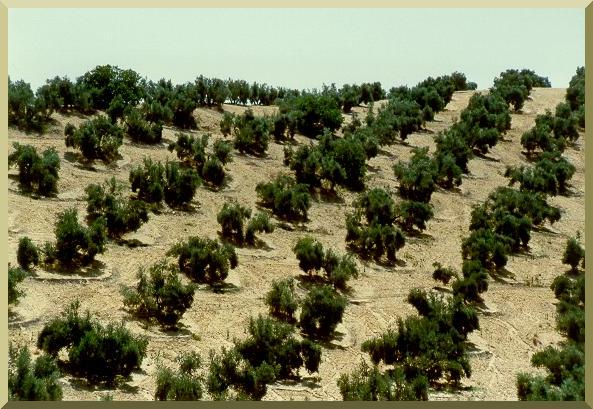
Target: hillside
{"type": "Point", "coordinates": [519, 320]}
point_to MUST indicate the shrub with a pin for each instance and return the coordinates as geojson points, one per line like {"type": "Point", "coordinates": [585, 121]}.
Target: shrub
{"type": "Point", "coordinates": [232, 217]}
{"type": "Point", "coordinates": [283, 127]}
{"type": "Point", "coordinates": [204, 260]}
{"type": "Point", "coordinates": [32, 380]}
{"type": "Point", "coordinates": [473, 283]}
{"type": "Point", "coordinates": [282, 300]}
{"type": "Point", "coordinates": [310, 254]}
{"type": "Point", "coordinates": [222, 151]}
{"type": "Point", "coordinates": [36, 173]}
{"type": "Point", "coordinates": [251, 133]}
{"type": "Point", "coordinates": [141, 130]}
{"type": "Point", "coordinates": [452, 141]}
{"type": "Point", "coordinates": [185, 384]}
{"type": "Point", "coordinates": [213, 172]}
{"type": "Point", "coordinates": [103, 353]}
{"type": "Point", "coordinates": [226, 123]}
{"type": "Point", "coordinates": [121, 215]}
{"type": "Point", "coordinates": [15, 276]}
{"type": "Point", "coordinates": [180, 184]}
{"type": "Point", "coordinates": [417, 177]}
{"type": "Point", "coordinates": [99, 354]}
{"type": "Point", "coordinates": [321, 311]}
{"type": "Point", "coordinates": [25, 111]}
{"type": "Point", "coordinates": [490, 249]}
{"type": "Point", "coordinates": [549, 175]}
{"type": "Point", "coordinates": [565, 123]}
{"type": "Point", "coordinates": [159, 295]}
{"type": "Point", "coordinates": [485, 119]}
{"type": "Point", "coordinates": [411, 213]}
{"type": "Point", "coordinates": [27, 253]}
{"type": "Point", "coordinates": [573, 253]}
{"type": "Point", "coordinates": [147, 180]}
{"type": "Point", "coordinates": [257, 224]}
{"type": "Point", "coordinates": [287, 199]}
{"type": "Point", "coordinates": [378, 236]}
{"type": "Point", "coordinates": [76, 244]}
{"type": "Point", "coordinates": [312, 112]}
{"type": "Point", "coordinates": [401, 116]}
{"type": "Point", "coordinates": [443, 274]}
{"type": "Point", "coordinates": [541, 136]}
{"type": "Point", "coordinates": [431, 345]}
{"type": "Point", "coordinates": [97, 139]}
{"type": "Point", "coordinates": [191, 150]}
{"type": "Point", "coordinates": [369, 384]}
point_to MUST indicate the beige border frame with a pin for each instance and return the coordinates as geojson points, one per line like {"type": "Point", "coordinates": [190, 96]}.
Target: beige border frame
{"type": "Point", "coordinates": [6, 4]}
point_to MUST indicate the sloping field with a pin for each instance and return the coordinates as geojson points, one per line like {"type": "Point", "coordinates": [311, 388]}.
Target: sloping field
{"type": "Point", "coordinates": [519, 321]}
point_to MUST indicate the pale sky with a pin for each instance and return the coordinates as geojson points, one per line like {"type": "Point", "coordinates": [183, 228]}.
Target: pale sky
{"type": "Point", "coordinates": [297, 48]}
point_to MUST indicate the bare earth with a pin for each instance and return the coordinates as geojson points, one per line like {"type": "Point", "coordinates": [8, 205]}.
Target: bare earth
{"type": "Point", "coordinates": [520, 319]}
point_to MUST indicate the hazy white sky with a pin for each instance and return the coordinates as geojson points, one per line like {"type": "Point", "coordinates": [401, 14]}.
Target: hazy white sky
{"type": "Point", "coordinates": [297, 48]}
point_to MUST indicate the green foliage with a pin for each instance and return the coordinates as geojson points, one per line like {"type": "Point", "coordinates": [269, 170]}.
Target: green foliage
{"type": "Point", "coordinates": [25, 111]}
{"type": "Point", "coordinates": [310, 254]}
{"type": "Point", "coordinates": [251, 133]}
{"type": "Point", "coordinates": [484, 120]}
{"type": "Point", "coordinates": [369, 384]}
{"type": "Point", "coordinates": [142, 130]}
{"type": "Point", "coordinates": [105, 83]}
{"type": "Point", "coordinates": [76, 244]}
{"type": "Point", "coordinates": [257, 224]}
{"type": "Point", "coordinates": [287, 199]}
{"type": "Point", "coordinates": [30, 380]}
{"type": "Point", "coordinates": [213, 172]}
{"type": "Point", "coordinates": [38, 174]}
{"type": "Point", "coordinates": [159, 295]}
{"type": "Point", "coordinates": [148, 181]}
{"type": "Point", "coordinates": [15, 276]}
{"type": "Point", "coordinates": [489, 248]}
{"type": "Point", "coordinates": [417, 177]}
{"type": "Point", "coordinates": [378, 236]}
{"type": "Point", "coordinates": [180, 184]}
{"type": "Point", "coordinates": [549, 175]}
{"type": "Point", "coordinates": [443, 274]}
{"type": "Point", "coordinates": [312, 113]}
{"type": "Point", "coordinates": [204, 260]}
{"type": "Point", "coordinates": [99, 354]}
{"type": "Point", "coordinates": [474, 281]}
{"type": "Point", "coordinates": [321, 312]}
{"type": "Point", "coordinates": [541, 136]}
{"type": "Point", "coordinates": [121, 215]}
{"type": "Point", "coordinates": [282, 300]}
{"type": "Point", "coordinates": [431, 345]}
{"type": "Point", "coordinates": [96, 138]}
{"type": "Point", "coordinates": [222, 151]}
{"type": "Point", "coordinates": [27, 253]}
{"type": "Point", "coordinates": [231, 218]}
{"type": "Point", "coordinates": [226, 123]}
{"type": "Point", "coordinates": [398, 116]}
{"type": "Point", "coordinates": [190, 149]}
{"type": "Point", "coordinates": [573, 253]}
{"type": "Point", "coordinates": [185, 384]}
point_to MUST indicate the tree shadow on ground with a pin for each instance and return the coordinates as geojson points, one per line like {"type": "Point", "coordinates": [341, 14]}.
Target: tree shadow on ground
{"type": "Point", "coordinates": [94, 269]}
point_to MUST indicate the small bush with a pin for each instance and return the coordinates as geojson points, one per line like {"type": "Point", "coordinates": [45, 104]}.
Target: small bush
{"type": "Point", "coordinates": [141, 130]}
{"type": "Point", "coordinates": [443, 274]}
{"type": "Point", "coordinates": [30, 380]}
{"type": "Point", "coordinates": [310, 254]}
{"type": "Point", "coordinates": [231, 218]}
{"type": "Point", "coordinates": [15, 276]}
{"type": "Point", "coordinates": [97, 139]}
{"type": "Point", "coordinates": [282, 300]}
{"type": "Point", "coordinates": [37, 174]}
{"type": "Point", "coordinates": [287, 199]}
{"type": "Point", "coordinates": [121, 215]}
{"type": "Point", "coordinates": [76, 244]}
{"type": "Point", "coordinates": [369, 384]}
{"type": "Point", "coordinates": [257, 224]}
{"type": "Point", "coordinates": [222, 151]}
{"type": "Point", "coordinates": [412, 214]}
{"type": "Point", "coordinates": [251, 133]}
{"type": "Point", "coordinates": [417, 177]}
{"type": "Point", "coordinates": [185, 384]}
{"type": "Point", "coordinates": [549, 175]}
{"type": "Point", "coordinates": [321, 312]}
{"type": "Point", "coordinates": [159, 295]}
{"type": "Point", "coordinates": [148, 181]}
{"type": "Point", "coordinates": [99, 354]}
{"type": "Point", "coordinates": [191, 150]}
{"type": "Point", "coordinates": [27, 253]}
{"type": "Point", "coordinates": [213, 172]}
{"type": "Point", "coordinates": [226, 124]}
{"type": "Point", "coordinates": [490, 249]}
{"type": "Point", "coordinates": [180, 184]}
{"type": "Point", "coordinates": [204, 260]}
{"type": "Point", "coordinates": [312, 113]}
{"type": "Point", "coordinates": [573, 253]}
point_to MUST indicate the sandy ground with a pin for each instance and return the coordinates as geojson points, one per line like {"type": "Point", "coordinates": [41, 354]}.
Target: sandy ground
{"type": "Point", "coordinates": [521, 313]}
